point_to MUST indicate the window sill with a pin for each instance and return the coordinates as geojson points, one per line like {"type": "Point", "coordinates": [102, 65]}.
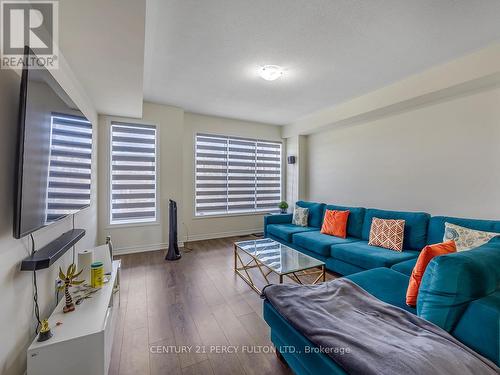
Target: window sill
{"type": "Point", "coordinates": [220, 216]}
{"type": "Point", "coordinates": [133, 225]}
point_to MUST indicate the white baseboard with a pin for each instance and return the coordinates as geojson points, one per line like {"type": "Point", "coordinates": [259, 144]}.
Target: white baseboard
{"type": "Point", "coordinates": [194, 237]}
{"type": "Point", "coordinates": [142, 248]}
{"type": "Point", "coordinates": [210, 236]}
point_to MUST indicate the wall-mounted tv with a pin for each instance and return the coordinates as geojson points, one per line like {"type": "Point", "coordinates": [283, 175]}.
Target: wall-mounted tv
{"type": "Point", "coordinates": [54, 148]}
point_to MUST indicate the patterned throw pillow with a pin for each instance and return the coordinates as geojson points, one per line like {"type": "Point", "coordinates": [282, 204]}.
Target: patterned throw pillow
{"type": "Point", "coordinates": [466, 238]}
{"type": "Point", "coordinates": [300, 216]}
{"type": "Point", "coordinates": [387, 233]}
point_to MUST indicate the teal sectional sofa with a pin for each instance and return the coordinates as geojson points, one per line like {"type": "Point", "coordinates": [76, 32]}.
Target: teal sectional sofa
{"type": "Point", "coordinates": [460, 292]}
{"type": "Point", "coordinates": [352, 254]}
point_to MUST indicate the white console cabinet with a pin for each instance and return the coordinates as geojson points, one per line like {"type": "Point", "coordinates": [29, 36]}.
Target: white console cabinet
{"type": "Point", "coordinates": [82, 344]}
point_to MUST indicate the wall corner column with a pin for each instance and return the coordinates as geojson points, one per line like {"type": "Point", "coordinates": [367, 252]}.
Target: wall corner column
{"type": "Point", "coordinates": [296, 187]}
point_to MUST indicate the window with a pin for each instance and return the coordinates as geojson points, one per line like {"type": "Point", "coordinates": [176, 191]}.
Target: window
{"type": "Point", "coordinates": [236, 175]}
{"type": "Point", "coordinates": [69, 165]}
{"type": "Point", "coordinates": [133, 173]}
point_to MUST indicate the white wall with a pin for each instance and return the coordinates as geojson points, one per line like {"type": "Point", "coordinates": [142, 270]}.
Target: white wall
{"type": "Point", "coordinates": [442, 158]}
{"type": "Point", "coordinates": [177, 130]}
{"type": "Point", "coordinates": [200, 228]}
{"type": "Point", "coordinates": [16, 290]}
{"type": "Point", "coordinates": [130, 238]}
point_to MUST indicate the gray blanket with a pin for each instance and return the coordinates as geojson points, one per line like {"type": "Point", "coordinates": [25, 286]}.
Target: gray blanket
{"type": "Point", "coordinates": [367, 336]}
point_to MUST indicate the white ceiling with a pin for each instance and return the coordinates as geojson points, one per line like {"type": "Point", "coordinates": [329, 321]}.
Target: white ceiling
{"type": "Point", "coordinates": [202, 55]}
{"type": "Point", "coordinates": [103, 41]}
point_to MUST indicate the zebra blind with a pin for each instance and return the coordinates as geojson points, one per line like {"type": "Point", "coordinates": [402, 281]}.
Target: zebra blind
{"type": "Point", "coordinates": [133, 173]}
{"type": "Point", "coordinates": [236, 175]}
{"type": "Point", "coordinates": [69, 165]}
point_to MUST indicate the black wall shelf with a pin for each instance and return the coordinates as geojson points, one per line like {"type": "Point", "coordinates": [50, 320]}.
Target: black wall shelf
{"type": "Point", "coordinates": [51, 252]}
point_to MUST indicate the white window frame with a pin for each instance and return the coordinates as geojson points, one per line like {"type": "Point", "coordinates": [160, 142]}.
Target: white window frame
{"type": "Point", "coordinates": [140, 223]}
{"type": "Point", "coordinates": [231, 214]}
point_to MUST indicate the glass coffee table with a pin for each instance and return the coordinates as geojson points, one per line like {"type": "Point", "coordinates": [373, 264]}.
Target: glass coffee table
{"type": "Point", "coordinates": [270, 256]}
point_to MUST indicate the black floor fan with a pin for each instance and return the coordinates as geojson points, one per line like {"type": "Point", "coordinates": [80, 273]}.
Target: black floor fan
{"type": "Point", "coordinates": [173, 247]}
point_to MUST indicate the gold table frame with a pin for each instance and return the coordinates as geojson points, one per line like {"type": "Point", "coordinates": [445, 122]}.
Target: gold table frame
{"type": "Point", "coordinates": [266, 270]}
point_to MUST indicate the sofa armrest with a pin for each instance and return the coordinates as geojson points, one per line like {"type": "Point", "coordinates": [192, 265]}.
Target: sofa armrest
{"type": "Point", "coordinates": [276, 219]}
{"type": "Point", "coordinates": [454, 280]}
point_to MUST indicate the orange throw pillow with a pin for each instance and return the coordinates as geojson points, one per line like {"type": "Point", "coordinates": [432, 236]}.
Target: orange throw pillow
{"type": "Point", "coordinates": [335, 223]}
{"type": "Point", "coordinates": [426, 255]}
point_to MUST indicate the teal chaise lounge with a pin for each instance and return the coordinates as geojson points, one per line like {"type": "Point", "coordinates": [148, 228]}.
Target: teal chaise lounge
{"type": "Point", "coordinates": [460, 293]}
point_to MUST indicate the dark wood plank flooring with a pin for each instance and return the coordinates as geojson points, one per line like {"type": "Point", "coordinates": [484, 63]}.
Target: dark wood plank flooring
{"type": "Point", "coordinates": [197, 304]}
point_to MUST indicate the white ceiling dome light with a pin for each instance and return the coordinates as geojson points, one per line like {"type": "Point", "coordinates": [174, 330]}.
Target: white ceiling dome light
{"type": "Point", "coordinates": [270, 72]}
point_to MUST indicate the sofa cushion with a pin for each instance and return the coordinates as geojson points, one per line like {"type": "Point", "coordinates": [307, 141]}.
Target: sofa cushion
{"type": "Point", "coordinates": [318, 242]}
{"type": "Point", "coordinates": [405, 267]}
{"type": "Point", "coordinates": [354, 221]}
{"type": "Point", "coordinates": [415, 226]}
{"type": "Point", "coordinates": [285, 231]}
{"type": "Point", "coordinates": [365, 256]}
{"type": "Point", "coordinates": [454, 280]}
{"type": "Point", "coordinates": [342, 268]}
{"type": "Point", "coordinates": [315, 218]}
{"type": "Point", "coordinates": [385, 284]}
{"type": "Point", "coordinates": [310, 253]}
{"type": "Point", "coordinates": [436, 226]}
{"type": "Point", "coordinates": [479, 327]}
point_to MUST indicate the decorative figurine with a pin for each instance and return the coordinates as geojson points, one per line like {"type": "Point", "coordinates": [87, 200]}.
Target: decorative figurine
{"type": "Point", "coordinates": [45, 333]}
{"type": "Point", "coordinates": [69, 280]}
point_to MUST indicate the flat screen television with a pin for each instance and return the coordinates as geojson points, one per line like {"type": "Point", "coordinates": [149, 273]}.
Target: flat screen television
{"type": "Point", "coordinates": [54, 150]}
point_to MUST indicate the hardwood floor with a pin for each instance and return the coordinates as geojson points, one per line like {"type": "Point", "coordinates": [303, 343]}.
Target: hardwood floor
{"type": "Point", "coordinates": [192, 316]}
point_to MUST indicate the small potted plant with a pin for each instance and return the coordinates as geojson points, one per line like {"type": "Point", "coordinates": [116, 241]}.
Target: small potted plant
{"type": "Point", "coordinates": [283, 206]}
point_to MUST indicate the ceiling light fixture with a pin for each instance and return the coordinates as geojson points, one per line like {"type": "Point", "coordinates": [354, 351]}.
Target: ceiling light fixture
{"type": "Point", "coordinates": [270, 72]}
